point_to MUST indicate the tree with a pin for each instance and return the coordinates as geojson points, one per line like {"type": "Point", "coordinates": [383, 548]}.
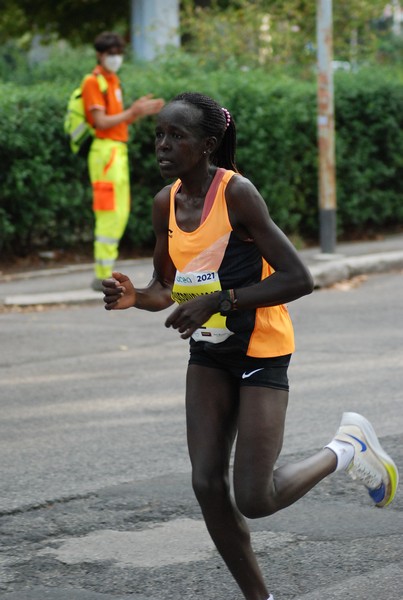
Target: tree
{"type": "Point", "coordinates": [281, 31]}
{"type": "Point", "coordinates": [78, 21]}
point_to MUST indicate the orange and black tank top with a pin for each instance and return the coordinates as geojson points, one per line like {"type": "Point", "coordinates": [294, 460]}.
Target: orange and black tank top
{"type": "Point", "coordinates": [213, 258]}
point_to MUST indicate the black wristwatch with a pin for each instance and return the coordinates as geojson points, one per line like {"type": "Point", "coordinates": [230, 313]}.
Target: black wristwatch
{"type": "Point", "coordinates": [226, 303]}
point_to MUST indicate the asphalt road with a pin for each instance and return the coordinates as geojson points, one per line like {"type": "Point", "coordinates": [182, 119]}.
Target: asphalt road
{"type": "Point", "coordinates": [95, 496]}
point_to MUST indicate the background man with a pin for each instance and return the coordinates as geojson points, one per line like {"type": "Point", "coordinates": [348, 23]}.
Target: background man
{"type": "Point", "coordinates": [108, 158]}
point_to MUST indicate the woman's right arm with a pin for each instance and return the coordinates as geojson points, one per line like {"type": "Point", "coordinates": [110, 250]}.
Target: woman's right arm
{"type": "Point", "coordinates": [120, 293]}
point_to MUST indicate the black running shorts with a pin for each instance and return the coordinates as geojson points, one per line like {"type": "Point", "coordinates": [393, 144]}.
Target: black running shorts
{"type": "Point", "coordinates": [249, 371]}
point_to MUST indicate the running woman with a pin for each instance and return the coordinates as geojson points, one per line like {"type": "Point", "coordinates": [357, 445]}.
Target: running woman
{"type": "Point", "coordinates": [231, 270]}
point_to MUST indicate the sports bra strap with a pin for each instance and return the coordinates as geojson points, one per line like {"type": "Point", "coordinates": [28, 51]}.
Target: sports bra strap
{"type": "Point", "coordinates": [211, 194]}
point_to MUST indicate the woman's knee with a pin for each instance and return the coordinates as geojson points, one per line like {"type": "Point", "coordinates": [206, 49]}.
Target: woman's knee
{"type": "Point", "coordinates": [255, 505]}
{"type": "Point", "coordinates": [209, 487]}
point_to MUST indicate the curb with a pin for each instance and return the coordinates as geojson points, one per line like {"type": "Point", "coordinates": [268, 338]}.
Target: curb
{"type": "Point", "coordinates": [328, 274]}
{"type": "Point", "coordinates": [325, 273]}
{"type": "Point", "coordinates": [72, 297]}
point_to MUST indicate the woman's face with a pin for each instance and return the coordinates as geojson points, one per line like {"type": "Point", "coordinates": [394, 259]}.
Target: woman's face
{"type": "Point", "coordinates": [180, 147]}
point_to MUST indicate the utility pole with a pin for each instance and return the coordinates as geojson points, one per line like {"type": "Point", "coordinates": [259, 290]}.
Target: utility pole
{"type": "Point", "coordinates": [154, 26]}
{"type": "Point", "coordinates": [326, 146]}
{"type": "Point", "coordinates": [397, 17]}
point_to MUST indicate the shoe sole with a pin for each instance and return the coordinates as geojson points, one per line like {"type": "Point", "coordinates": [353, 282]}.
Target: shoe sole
{"type": "Point", "coordinates": [350, 418]}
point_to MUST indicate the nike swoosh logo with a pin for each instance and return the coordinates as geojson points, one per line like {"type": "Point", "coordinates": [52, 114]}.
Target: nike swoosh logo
{"type": "Point", "coordinates": [246, 375]}
{"type": "Point", "coordinates": [363, 446]}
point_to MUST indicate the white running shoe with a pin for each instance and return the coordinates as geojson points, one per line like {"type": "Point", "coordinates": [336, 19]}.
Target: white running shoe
{"type": "Point", "coordinates": [371, 465]}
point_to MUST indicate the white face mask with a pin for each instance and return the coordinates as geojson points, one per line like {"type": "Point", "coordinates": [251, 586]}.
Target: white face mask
{"type": "Point", "coordinates": [113, 62]}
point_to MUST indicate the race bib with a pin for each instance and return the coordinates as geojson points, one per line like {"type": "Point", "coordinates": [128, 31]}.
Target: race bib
{"type": "Point", "coordinates": [193, 284]}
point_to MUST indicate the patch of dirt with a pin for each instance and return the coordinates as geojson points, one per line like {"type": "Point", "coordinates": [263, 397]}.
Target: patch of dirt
{"type": "Point", "coordinates": [349, 284]}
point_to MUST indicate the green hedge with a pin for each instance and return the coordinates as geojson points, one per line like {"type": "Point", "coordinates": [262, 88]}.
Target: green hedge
{"type": "Point", "coordinates": [369, 152]}
{"type": "Point", "coordinates": [45, 198]}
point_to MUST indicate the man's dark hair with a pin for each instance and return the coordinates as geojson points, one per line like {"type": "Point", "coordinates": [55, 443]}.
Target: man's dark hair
{"type": "Point", "coordinates": [107, 40]}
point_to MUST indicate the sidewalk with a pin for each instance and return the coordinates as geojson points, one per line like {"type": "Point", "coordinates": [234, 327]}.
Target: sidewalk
{"type": "Point", "coordinates": [71, 284]}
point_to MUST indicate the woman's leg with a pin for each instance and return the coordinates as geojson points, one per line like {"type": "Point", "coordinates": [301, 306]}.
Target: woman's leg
{"type": "Point", "coordinates": [212, 403]}
{"type": "Point", "coordinates": [263, 490]}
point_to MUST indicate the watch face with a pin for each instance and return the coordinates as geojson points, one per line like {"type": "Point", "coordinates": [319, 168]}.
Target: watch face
{"type": "Point", "coordinates": [225, 306]}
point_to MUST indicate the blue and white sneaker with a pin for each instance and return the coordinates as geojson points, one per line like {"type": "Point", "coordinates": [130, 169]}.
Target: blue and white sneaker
{"type": "Point", "coordinates": [371, 465]}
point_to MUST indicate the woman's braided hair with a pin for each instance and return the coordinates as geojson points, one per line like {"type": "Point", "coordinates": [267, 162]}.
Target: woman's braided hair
{"type": "Point", "coordinates": [216, 121]}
